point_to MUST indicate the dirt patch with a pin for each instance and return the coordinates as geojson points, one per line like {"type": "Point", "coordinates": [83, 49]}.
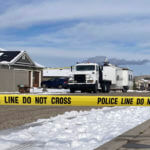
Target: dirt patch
{"type": "Point", "coordinates": [12, 116]}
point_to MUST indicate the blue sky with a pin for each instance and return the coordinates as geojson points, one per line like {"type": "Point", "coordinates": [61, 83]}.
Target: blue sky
{"type": "Point", "coordinates": [59, 33]}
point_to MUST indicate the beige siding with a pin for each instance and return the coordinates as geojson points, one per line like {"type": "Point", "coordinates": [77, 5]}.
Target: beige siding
{"type": "Point", "coordinates": [21, 77]}
{"type": "Point", "coordinates": [10, 79]}
{"type": "Point", "coordinates": [6, 80]}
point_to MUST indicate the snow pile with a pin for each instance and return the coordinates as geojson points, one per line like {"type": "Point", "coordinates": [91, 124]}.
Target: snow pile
{"type": "Point", "coordinates": [1, 49]}
{"type": "Point", "coordinates": [39, 65]}
{"type": "Point", "coordinates": [48, 91]}
{"type": "Point", "coordinates": [76, 130]}
{"type": "Point", "coordinates": [138, 91]}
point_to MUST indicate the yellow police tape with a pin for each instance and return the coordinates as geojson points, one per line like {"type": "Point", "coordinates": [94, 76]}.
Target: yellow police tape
{"type": "Point", "coordinates": [68, 100]}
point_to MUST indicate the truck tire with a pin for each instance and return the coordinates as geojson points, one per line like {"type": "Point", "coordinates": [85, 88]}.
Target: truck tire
{"type": "Point", "coordinates": [82, 91]}
{"type": "Point", "coordinates": [125, 89]}
{"type": "Point", "coordinates": [106, 88]}
{"type": "Point", "coordinates": [72, 90]}
{"type": "Point", "coordinates": [95, 88]}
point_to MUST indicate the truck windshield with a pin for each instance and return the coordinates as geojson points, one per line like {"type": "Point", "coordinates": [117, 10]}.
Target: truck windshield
{"type": "Point", "coordinates": [85, 68]}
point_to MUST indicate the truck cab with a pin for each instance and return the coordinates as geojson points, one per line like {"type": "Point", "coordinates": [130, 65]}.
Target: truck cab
{"type": "Point", "coordinates": [85, 77]}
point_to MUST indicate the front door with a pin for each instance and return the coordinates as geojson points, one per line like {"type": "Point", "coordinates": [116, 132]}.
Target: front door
{"type": "Point", "coordinates": [36, 79]}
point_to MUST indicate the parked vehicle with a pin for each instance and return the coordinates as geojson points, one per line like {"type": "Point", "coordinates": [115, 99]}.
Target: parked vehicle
{"type": "Point", "coordinates": [55, 83]}
{"type": "Point", "coordinates": [89, 77]}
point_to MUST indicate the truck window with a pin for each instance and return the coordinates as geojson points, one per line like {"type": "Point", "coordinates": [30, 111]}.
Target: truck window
{"type": "Point", "coordinates": [130, 78]}
{"type": "Point", "coordinates": [97, 68]}
{"type": "Point", "coordinates": [85, 68]}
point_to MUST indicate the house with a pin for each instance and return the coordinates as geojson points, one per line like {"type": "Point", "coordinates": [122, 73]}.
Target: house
{"type": "Point", "coordinates": [142, 82]}
{"type": "Point", "coordinates": [17, 68]}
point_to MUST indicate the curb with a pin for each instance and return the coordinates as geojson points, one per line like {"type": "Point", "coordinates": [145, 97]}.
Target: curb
{"type": "Point", "coordinates": [130, 139]}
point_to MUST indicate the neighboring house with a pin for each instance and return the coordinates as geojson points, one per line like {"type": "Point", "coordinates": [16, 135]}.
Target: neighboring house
{"type": "Point", "coordinates": [142, 82]}
{"type": "Point", "coordinates": [49, 73]}
{"type": "Point", "coordinates": [17, 68]}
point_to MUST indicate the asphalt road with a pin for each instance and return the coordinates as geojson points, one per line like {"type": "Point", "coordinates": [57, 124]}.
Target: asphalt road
{"type": "Point", "coordinates": [12, 116]}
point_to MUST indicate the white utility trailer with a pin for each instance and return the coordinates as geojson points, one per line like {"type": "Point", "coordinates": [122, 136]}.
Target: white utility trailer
{"type": "Point", "coordinates": [121, 78]}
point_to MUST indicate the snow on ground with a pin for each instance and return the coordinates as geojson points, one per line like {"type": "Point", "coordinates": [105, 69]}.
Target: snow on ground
{"type": "Point", "coordinates": [49, 91]}
{"type": "Point", "coordinates": [62, 91]}
{"type": "Point", "coordinates": [39, 90]}
{"type": "Point", "coordinates": [42, 91]}
{"type": "Point", "coordinates": [138, 91]}
{"type": "Point", "coordinates": [75, 130]}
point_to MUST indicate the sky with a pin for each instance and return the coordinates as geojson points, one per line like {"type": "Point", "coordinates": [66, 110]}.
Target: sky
{"type": "Point", "coordinates": [57, 33]}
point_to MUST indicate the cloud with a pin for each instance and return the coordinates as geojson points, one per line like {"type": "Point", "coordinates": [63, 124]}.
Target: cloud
{"type": "Point", "coordinates": [115, 61]}
{"type": "Point", "coordinates": [85, 39]}
{"type": "Point", "coordinates": [34, 12]}
{"type": "Point", "coordinates": [121, 32]}
{"type": "Point", "coordinates": [112, 28]}
{"type": "Point", "coordinates": [71, 29]}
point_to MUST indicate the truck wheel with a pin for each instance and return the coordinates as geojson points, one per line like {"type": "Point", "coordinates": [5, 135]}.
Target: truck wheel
{"type": "Point", "coordinates": [106, 88]}
{"type": "Point", "coordinates": [95, 88]}
{"type": "Point", "coordinates": [72, 90]}
{"type": "Point", "coordinates": [103, 88]}
{"type": "Point", "coordinates": [125, 89]}
{"type": "Point", "coordinates": [82, 91]}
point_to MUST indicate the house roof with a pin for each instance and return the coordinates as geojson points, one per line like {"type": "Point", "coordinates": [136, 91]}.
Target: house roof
{"type": "Point", "coordinates": [15, 57]}
{"type": "Point", "coordinates": [8, 56]}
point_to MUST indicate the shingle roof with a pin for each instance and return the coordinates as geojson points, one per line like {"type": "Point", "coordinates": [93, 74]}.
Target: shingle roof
{"type": "Point", "coordinates": [8, 56]}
